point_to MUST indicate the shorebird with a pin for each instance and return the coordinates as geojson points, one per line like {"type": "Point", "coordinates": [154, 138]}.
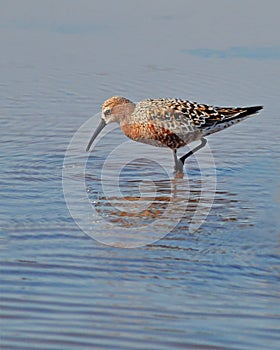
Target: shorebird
{"type": "Point", "coordinates": [169, 122]}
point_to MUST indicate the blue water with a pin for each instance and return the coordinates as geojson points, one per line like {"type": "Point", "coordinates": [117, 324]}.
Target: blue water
{"type": "Point", "coordinates": [215, 288]}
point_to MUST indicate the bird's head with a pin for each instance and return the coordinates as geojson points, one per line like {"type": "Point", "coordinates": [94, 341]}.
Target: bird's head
{"type": "Point", "coordinates": [115, 109]}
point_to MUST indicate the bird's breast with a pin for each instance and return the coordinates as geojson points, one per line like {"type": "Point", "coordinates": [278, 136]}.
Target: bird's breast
{"type": "Point", "coordinates": [156, 135]}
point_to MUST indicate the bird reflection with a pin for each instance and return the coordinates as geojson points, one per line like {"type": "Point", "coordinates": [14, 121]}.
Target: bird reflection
{"type": "Point", "coordinates": [137, 209]}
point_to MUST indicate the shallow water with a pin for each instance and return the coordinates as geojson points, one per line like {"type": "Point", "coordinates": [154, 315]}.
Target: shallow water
{"type": "Point", "coordinates": [214, 287]}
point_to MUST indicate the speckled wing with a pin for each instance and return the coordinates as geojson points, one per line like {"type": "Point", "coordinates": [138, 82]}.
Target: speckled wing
{"type": "Point", "coordinates": [190, 116]}
{"type": "Point", "coordinates": [218, 118]}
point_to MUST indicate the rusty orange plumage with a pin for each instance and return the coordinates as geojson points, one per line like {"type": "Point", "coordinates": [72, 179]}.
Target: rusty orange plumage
{"type": "Point", "coordinates": [169, 122]}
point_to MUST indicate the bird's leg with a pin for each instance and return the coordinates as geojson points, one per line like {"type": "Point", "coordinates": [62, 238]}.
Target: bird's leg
{"type": "Point", "coordinates": [178, 163]}
{"type": "Point", "coordinates": [182, 159]}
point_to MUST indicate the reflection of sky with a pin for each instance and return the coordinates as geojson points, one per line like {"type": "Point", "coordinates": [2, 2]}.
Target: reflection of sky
{"type": "Point", "coordinates": [259, 53]}
{"type": "Point", "coordinates": [54, 27]}
{"type": "Point", "coordinates": [117, 37]}
{"type": "Point", "coordinates": [185, 24]}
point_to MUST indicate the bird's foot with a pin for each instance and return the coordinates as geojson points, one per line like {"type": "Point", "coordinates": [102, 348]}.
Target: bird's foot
{"type": "Point", "coordinates": [203, 142]}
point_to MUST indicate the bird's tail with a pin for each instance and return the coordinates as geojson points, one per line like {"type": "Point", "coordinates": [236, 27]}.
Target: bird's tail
{"type": "Point", "coordinates": [225, 117]}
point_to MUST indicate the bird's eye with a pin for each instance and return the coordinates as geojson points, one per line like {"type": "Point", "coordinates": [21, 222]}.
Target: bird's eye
{"type": "Point", "coordinates": [107, 111]}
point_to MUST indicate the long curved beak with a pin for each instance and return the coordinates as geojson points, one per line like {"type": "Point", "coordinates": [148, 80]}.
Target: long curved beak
{"type": "Point", "coordinates": [101, 125]}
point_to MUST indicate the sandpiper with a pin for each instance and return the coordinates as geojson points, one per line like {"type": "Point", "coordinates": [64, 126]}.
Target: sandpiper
{"type": "Point", "coordinates": [169, 122]}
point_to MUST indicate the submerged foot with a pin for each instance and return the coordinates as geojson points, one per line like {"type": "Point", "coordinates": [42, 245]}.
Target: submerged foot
{"type": "Point", "coordinates": [179, 165]}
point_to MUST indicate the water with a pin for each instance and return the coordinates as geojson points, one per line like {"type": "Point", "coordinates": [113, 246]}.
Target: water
{"type": "Point", "coordinates": [215, 288]}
